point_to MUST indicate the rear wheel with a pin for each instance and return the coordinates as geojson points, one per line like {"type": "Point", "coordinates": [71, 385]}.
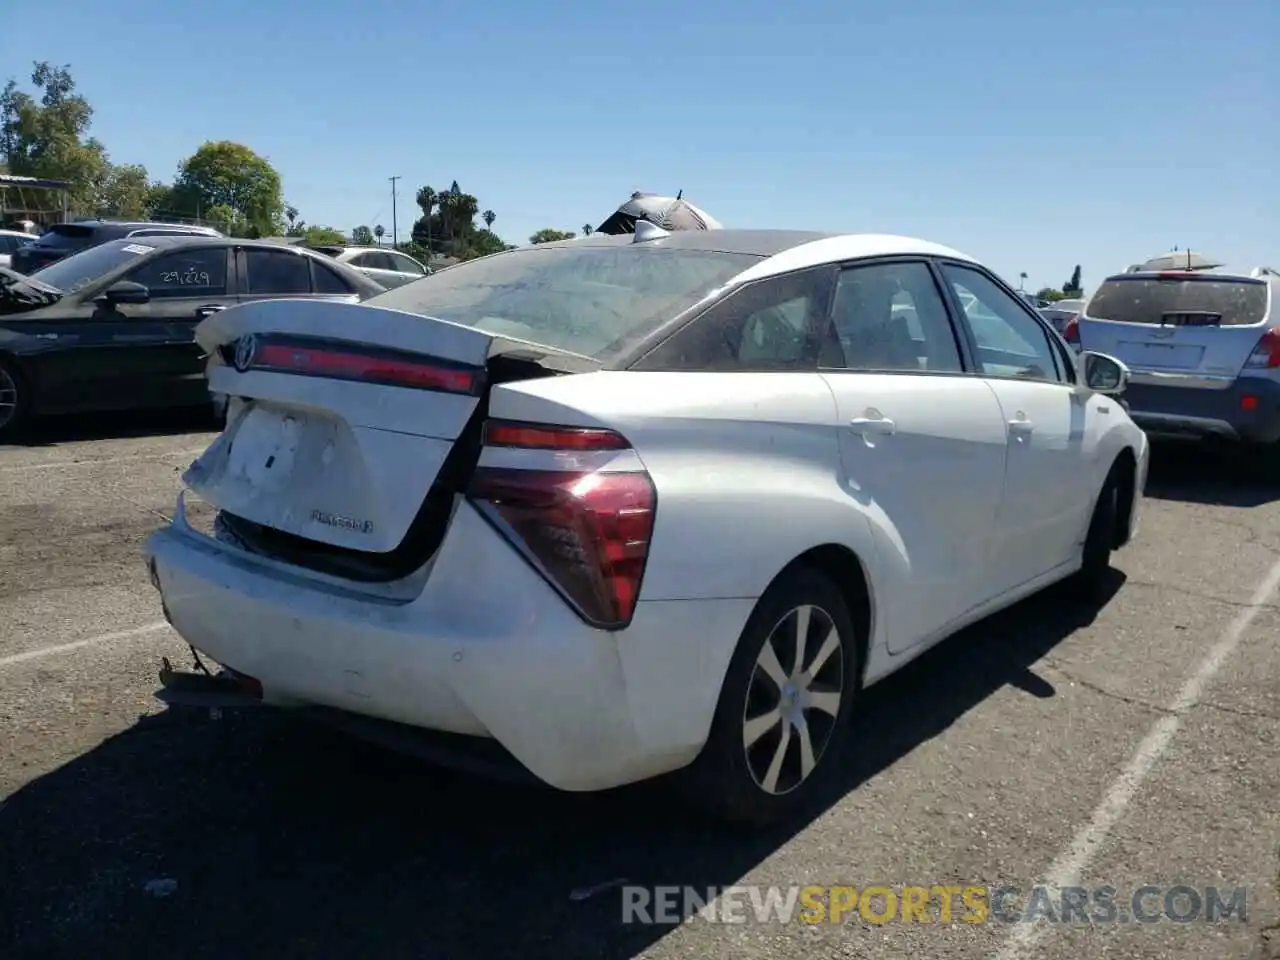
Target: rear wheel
{"type": "Point", "coordinates": [784, 708]}
{"type": "Point", "coordinates": [15, 399]}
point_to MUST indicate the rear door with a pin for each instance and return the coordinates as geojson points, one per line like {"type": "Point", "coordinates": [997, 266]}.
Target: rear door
{"type": "Point", "coordinates": [1168, 327]}
{"type": "Point", "coordinates": [922, 443]}
{"type": "Point", "coordinates": [1047, 492]}
{"type": "Point", "coordinates": [269, 273]}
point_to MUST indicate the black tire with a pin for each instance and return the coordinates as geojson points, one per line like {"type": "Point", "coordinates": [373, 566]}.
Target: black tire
{"type": "Point", "coordinates": [1091, 581]}
{"type": "Point", "coordinates": [15, 400]}
{"type": "Point", "coordinates": [728, 778]}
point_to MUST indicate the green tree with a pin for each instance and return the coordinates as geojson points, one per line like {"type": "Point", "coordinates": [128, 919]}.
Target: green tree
{"type": "Point", "coordinates": [45, 135]}
{"type": "Point", "coordinates": [1072, 287]}
{"type": "Point", "coordinates": [379, 231]}
{"type": "Point", "coordinates": [488, 217]}
{"type": "Point", "coordinates": [587, 230]}
{"type": "Point", "coordinates": [549, 235]}
{"type": "Point", "coordinates": [125, 192]}
{"type": "Point", "coordinates": [362, 236]}
{"type": "Point", "coordinates": [225, 219]}
{"type": "Point", "coordinates": [223, 173]}
{"type": "Point", "coordinates": [323, 236]}
{"type": "Point", "coordinates": [1050, 294]}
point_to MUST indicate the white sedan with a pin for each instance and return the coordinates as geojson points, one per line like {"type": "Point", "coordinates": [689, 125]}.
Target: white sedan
{"type": "Point", "coordinates": [611, 508]}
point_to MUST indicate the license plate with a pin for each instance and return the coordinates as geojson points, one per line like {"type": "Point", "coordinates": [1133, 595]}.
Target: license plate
{"type": "Point", "coordinates": [264, 447]}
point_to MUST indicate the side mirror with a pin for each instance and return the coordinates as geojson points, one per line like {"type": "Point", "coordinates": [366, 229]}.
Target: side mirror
{"type": "Point", "coordinates": [124, 291]}
{"type": "Point", "coordinates": [1104, 374]}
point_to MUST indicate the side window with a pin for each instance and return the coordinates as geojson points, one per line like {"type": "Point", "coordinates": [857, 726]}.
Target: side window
{"type": "Point", "coordinates": [198, 272]}
{"type": "Point", "coordinates": [327, 280]}
{"type": "Point", "coordinates": [276, 273]}
{"type": "Point", "coordinates": [891, 317]}
{"type": "Point", "coordinates": [1010, 342]}
{"type": "Point", "coordinates": [775, 324]}
{"type": "Point", "coordinates": [405, 264]}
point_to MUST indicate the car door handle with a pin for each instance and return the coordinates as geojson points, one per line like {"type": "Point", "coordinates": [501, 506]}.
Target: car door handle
{"type": "Point", "coordinates": [872, 425]}
{"type": "Point", "coordinates": [1021, 427]}
{"type": "Point", "coordinates": [209, 310]}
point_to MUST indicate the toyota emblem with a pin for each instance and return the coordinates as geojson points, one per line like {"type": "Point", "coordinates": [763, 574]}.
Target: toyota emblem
{"type": "Point", "coordinates": [246, 350]}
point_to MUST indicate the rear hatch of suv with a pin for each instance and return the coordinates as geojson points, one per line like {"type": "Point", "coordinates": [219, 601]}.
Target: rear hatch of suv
{"type": "Point", "coordinates": [60, 240]}
{"type": "Point", "coordinates": [1180, 324]}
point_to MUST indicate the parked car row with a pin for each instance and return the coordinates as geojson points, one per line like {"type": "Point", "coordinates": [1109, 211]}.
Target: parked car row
{"type": "Point", "coordinates": [113, 327]}
{"type": "Point", "coordinates": [626, 506]}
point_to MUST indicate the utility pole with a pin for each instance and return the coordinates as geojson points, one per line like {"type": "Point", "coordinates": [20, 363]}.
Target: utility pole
{"type": "Point", "coordinates": [395, 233]}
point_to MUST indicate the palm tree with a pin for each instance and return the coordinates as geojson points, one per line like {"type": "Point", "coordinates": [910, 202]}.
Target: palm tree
{"type": "Point", "coordinates": [379, 231]}
{"type": "Point", "coordinates": [1022, 280]}
{"type": "Point", "coordinates": [488, 217]}
{"type": "Point", "coordinates": [586, 230]}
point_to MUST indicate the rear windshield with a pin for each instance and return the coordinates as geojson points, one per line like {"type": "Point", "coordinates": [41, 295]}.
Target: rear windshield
{"type": "Point", "coordinates": [66, 235]}
{"type": "Point", "coordinates": [80, 269]}
{"type": "Point", "coordinates": [1134, 299]}
{"type": "Point", "coordinates": [594, 301]}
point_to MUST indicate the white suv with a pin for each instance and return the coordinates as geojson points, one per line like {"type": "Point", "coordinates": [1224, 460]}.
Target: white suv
{"type": "Point", "coordinates": [1202, 347]}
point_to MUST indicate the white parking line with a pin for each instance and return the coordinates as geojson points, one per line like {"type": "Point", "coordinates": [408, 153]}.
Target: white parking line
{"type": "Point", "coordinates": [79, 644]}
{"type": "Point", "coordinates": [1068, 869]}
{"type": "Point", "coordinates": [54, 465]}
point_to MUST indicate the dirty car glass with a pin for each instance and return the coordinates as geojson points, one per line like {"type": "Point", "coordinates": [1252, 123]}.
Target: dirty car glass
{"type": "Point", "coordinates": [589, 300]}
{"type": "Point", "coordinates": [81, 269]}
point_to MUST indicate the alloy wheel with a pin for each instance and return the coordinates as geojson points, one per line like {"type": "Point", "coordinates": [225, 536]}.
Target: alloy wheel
{"type": "Point", "coordinates": [8, 397]}
{"type": "Point", "coordinates": [793, 699]}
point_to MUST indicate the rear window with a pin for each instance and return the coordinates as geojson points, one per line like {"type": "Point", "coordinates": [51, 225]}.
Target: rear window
{"type": "Point", "coordinates": [591, 300]}
{"type": "Point", "coordinates": [66, 234]}
{"type": "Point", "coordinates": [1135, 299]}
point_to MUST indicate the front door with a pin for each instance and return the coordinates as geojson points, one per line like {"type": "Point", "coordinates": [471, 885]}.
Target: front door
{"type": "Point", "coordinates": [922, 444]}
{"type": "Point", "coordinates": [186, 286]}
{"type": "Point", "coordinates": [1046, 496]}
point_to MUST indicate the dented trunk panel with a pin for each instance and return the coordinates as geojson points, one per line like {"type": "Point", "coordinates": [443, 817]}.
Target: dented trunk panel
{"type": "Point", "coordinates": [343, 463]}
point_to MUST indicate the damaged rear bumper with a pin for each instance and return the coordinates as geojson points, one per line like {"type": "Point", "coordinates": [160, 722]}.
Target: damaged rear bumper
{"type": "Point", "coordinates": [487, 652]}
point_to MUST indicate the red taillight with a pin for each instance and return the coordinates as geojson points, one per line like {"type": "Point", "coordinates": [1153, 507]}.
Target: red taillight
{"type": "Point", "coordinates": [532, 436]}
{"type": "Point", "coordinates": [1266, 355]}
{"type": "Point", "coordinates": [1071, 332]}
{"type": "Point", "coordinates": [391, 368]}
{"type": "Point", "coordinates": [586, 531]}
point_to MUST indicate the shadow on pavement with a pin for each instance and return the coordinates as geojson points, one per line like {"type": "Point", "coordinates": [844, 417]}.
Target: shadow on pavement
{"type": "Point", "coordinates": [73, 428]}
{"type": "Point", "coordinates": [288, 841]}
{"type": "Point", "coordinates": [1213, 475]}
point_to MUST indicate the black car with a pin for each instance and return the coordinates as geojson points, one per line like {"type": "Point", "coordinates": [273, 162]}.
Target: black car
{"type": "Point", "coordinates": [113, 327]}
{"type": "Point", "coordinates": [64, 239]}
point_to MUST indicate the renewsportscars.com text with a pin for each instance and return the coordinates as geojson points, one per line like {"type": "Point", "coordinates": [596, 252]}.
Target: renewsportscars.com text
{"type": "Point", "coordinates": [936, 903]}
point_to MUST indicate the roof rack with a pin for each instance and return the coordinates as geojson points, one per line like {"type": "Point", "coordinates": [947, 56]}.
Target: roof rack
{"type": "Point", "coordinates": [1259, 272]}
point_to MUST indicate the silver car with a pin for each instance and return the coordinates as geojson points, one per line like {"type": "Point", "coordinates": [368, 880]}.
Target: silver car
{"type": "Point", "coordinates": [391, 268]}
{"type": "Point", "coordinates": [1202, 349]}
{"type": "Point", "coordinates": [10, 241]}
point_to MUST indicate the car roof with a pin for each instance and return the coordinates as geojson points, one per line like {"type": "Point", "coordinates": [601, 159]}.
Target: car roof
{"type": "Point", "coordinates": [1221, 273]}
{"type": "Point", "coordinates": [781, 250]}
{"type": "Point", "coordinates": [135, 224]}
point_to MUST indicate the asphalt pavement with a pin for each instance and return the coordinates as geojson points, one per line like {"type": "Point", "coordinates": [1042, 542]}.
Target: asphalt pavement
{"type": "Point", "coordinates": [1135, 747]}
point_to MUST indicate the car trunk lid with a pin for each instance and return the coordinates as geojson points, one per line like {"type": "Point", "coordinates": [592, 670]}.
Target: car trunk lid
{"type": "Point", "coordinates": [352, 427]}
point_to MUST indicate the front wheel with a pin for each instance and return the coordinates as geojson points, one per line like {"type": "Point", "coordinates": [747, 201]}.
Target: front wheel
{"type": "Point", "coordinates": [783, 713]}
{"type": "Point", "coordinates": [1091, 580]}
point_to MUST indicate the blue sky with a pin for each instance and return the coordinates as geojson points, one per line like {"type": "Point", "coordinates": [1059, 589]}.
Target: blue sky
{"type": "Point", "coordinates": [1033, 135]}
